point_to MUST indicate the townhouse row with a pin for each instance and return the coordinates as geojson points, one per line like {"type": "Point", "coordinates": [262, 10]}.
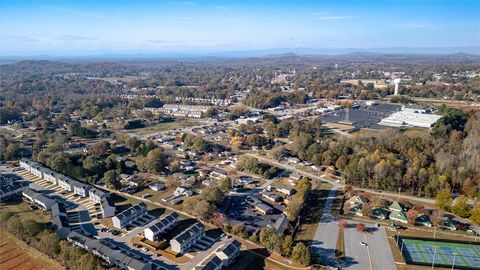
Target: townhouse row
{"type": "Point", "coordinates": [71, 185]}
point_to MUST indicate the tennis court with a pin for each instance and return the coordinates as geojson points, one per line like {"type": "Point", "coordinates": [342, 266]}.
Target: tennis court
{"type": "Point", "coordinates": [427, 252]}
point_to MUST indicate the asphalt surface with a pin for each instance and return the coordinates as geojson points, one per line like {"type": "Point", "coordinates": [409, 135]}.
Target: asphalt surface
{"type": "Point", "coordinates": [325, 240]}
{"type": "Point", "coordinates": [377, 255]}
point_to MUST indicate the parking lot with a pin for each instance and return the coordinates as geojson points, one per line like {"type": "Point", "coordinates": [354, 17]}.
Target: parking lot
{"type": "Point", "coordinates": [240, 211]}
{"type": "Point", "coordinates": [364, 116]}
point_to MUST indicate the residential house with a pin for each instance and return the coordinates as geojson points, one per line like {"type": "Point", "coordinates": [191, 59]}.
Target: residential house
{"type": "Point", "coordinates": [380, 213]}
{"type": "Point", "coordinates": [285, 190]}
{"type": "Point", "coordinates": [10, 187]}
{"type": "Point", "coordinates": [107, 207]}
{"type": "Point", "coordinates": [357, 200]}
{"type": "Point", "coordinates": [271, 196]}
{"type": "Point", "coordinates": [166, 223]}
{"type": "Point", "coordinates": [96, 195]}
{"type": "Point", "coordinates": [156, 186]}
{"type": "Point", "coordinates": [65, 182]}
{"type": "Point", "coordinates": [51, 176]}
{"type": "Point", "coordinates": [281, 225]}
{"type": "Point", "coordinates": [218, 173]}
{"type": "Point", "coordinates": [130, 261]}
{"type": "Point", "coordinates": [80, 188]}
{"type": "Point", "coordinates": [182, 242]}
{"type": "Point", "coordinates": [423, 220]}
{"type": "Point", "coordinates": [357, 210]}
{"type": "Point", "coordinates": [228, 252]}
{"type": "Point", "coordinates": [398, 216]}
{"type": "Point", "coordinates": [38, 199]}
{"type": "Point", "coordinates": [59, 221]}
{"type": "Point", "coordinates": [181, 191]}
{"type": "Point", "coordinates": [212, 262]}
{"type": "Point", "coordinates": [129, 215]}
{"type": "Point", "coordinates": [295, 176]}
{"type": "Point", "coordinates": [397, 206]}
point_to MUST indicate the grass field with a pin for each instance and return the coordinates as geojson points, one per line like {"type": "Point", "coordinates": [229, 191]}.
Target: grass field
{"type": "Point", "coordinates": [22, 210]}
{"type": "Point", "coordinates": [427, 252]}
{"type": "Point", "coordinates": [15, 254]}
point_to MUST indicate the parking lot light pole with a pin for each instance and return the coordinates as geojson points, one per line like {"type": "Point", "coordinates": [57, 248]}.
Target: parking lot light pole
{"type": "Point", "coordinates": [453, 264]}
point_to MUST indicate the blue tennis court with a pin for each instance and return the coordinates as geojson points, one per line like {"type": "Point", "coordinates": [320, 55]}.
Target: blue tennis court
{"type": "Point", "coordinates": [427, 252]}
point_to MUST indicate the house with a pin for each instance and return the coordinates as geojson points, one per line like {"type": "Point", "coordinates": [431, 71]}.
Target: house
{"type": "Point", "coordinates": [130, 261]}
{"type": "Point", "coordinates": [449, 224]}
{"type": "Point", "coordinates": [38, 199]}
{"type": "Point", "coordinates": [212, 262]}
{"type": "Point", "coordinates": [96, 195]}
{"type": "Point", "coordinates": [271, 196]}
{"type": "Point", "coordinates": [285, 190]}
{"type": "Point", "coordinates": [397, 207]}
{"type": "Point", "coordinates": [218, 173]}
{"type": "Point", "coordinates": [65, 183]}
{"type": "Point", "coordinates": [181, 191]}
{"type": "Point", "coordinates": [263, 208]}
{"type": "Point", "coordinates": [129, 215]}
{"type": "Point", "coordinates": [10, 187]}
{"type": "Point", "coordinates": [166, 223]}
{"type": "Point", "coordinates": [60, 221]}
{"type": "Point", "coordinates": [398, 216]}
{"type": "Point", "coordinates": [80, 188]}
{"type": "Point", "coordinates": [357, 210]}
{"type": "Point", "coordinates": [229, 252]}
{"type": "Point", "coordinates": [281, 225]}
{"type": "Point", "coordinates": [380, 213]}
{"type": "Point", "coordinates": [357, 200]}
{"type": "Point", "coordinates": [423, 220]}
{"type": "Point", "coordinates": [245, 180]}
{"type": "Point", "coordinates": [295, 176]}
{"type": "Point", "coordinates": [156, 186]}
{"type": "Point", "coordinates": [107, 207]}
{"type": "Point", "coordinates": [51, 176]}
{"type": "Point", "coordinates": [182, 242]}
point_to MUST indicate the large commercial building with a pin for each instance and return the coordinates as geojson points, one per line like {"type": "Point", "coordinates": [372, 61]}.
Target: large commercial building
{"type": "Point", "coordinates": [166, 223]}
{"type": "Point", "coordinates": [413, 116]}
{"type": "Point", "coordinates": [129, 215]}
{"type": "Point", "coordinates": [182, 242]}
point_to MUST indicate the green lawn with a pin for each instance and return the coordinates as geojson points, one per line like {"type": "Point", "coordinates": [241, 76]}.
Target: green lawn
{"type": "Point", "coordinates": [22, 210]}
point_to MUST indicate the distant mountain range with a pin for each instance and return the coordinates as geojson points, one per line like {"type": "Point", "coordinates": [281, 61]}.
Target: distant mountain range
{"type": "Point", "coordinates": [278, 52]}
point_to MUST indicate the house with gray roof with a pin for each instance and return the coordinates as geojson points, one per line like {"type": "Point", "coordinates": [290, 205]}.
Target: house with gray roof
{"type": "Point", "coordinates": [130, 214]}
{"type": "Point", "coordinates": [59, 221]}
{"type": "Point", "coordinates": [229, 252]}
{"type": "Point", "coordinates": [37, 198]}
{"type": "Point", "coordinates": [10, 187]}
{"type": "Point", "coordinates": [182, 242]}
{"type": "Point", "coordinates": [164, 224]}
{"type": "Point", "coordinates": [212, 262]}
{"type": "Point", "coordinates": [80, 188]}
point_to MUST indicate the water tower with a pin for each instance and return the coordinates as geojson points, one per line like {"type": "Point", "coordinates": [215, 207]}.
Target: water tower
{"type": "Point", "coordinates": [397, 82]}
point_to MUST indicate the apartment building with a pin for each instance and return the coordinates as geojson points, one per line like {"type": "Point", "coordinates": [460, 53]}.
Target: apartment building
{"type": "Point", "coordinates": [38, 199]}
{"type": "Point", "coordinates": [182, 242]}
{"type": "Point", "coordinates": [80, 188]}
{"type": "Point", "coordinates": [129, 215]}
{"type": "Point", "coordinates": [229, 252]}
{"type": "Point", "coordinates": [166, 223]}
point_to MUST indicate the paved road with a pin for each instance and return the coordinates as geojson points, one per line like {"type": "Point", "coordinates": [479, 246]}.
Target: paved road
{"type": "Point", "coordinates": [314, 176]}
{"type": "Point", "coordinates": [325, 240]}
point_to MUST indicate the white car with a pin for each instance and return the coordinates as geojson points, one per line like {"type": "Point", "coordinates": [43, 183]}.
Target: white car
{"type": "Point", "coordinates": [363, 243]}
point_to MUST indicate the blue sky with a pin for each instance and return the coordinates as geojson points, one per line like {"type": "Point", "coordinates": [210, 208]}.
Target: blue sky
{"type": "Point", "coordinates": [87, 27]}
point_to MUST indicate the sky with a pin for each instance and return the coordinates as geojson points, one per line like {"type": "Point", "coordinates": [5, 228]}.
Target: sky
{"type": "Point", "coordinates": [93, 27]}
